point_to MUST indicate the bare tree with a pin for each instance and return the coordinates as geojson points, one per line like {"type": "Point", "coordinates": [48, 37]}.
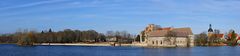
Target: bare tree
{"type": "Point", "coordinates": [170, 35]}
{"type": "Point", "coordinates": [216, 31]}
{"type": "Point", "coordinates": [110, 34]}
{"type": "Point", "coordinates": [156, 27]}
{"type": "Point", "coordinates": [201, 39]}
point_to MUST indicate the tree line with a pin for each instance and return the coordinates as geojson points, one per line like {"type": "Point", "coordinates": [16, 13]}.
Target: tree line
{"type": "Point", "coordinates": [26, 37]}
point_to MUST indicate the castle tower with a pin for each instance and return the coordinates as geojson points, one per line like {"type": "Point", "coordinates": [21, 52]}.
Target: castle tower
{"type": "Point", "coordinates": [149, 28]}
{"type": "Point", "coordinates": [144, 33]}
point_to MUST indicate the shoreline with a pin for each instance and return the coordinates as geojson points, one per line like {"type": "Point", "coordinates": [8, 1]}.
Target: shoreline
{"type": "Point", "coordinates": [87, 44]}
{"type": "Point", "coordinates": [102, 44]}
{"type": "Point", "coordinates": [70, 44]}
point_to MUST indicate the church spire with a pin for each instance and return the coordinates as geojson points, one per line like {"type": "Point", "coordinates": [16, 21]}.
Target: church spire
{"type": "Point", "coordinates": [210, 25]}
{"type": "Point", "coordinates": [210, 28]}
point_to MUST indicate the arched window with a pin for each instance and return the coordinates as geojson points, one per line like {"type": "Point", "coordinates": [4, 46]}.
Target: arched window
{"type": "Point", "coordinates": [152, 42]}
{"type": "Point", "coordinates": [161, 42]}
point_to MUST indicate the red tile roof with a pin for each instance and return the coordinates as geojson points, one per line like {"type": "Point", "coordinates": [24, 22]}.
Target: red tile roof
{"type": "Point", "coordinates": [220, 35]}
{"type": "Point", "coordinates": [167, 28]}
{"type": "Point", "coordinates": [230, 35]}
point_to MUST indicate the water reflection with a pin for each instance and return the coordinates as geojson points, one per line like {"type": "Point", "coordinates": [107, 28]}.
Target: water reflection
{"type": "Point", "coordinates": [13, 50]}
{"type": "Point", "coordinates": [167, 52]}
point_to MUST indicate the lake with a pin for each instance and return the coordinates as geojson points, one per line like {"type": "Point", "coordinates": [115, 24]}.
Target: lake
{"type": "Point", "coordinates": [14, 50]}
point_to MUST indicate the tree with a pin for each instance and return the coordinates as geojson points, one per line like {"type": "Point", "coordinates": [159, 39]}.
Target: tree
{"type": "Point", "coordinates": [59, 36]}
{"type": "Point", "coordinates": [216, 38]}
{"type": "Point", "coordinates": [118, 36]}
{"type": "Point", "coordinates": [201, 39]}
{"type": "Point", "coordinates": [93, 35]}
{"type": "Point", "coordinates": [230, 31]}
{"type": "Point", "coordinates": [170, 35]}
{"type": "Point", "coordinates": [143, 36]}
{"type": "Point", "coordinates": [101, 38]}
{"type": "Point", "coordinates": [233, 38]}
{"type": "Point", "coordinates": [156, 27]}
{"type": "Point", "coordinates": [123, 34]}
{"type": "Point", "coordinates": [110, 34]}
{"type": "Point", "coordinates": [50, 30]}
{"type": "Point", "coordinates": [78, 35]}
{"type": "Point", "coordinates": [137, 38]}
{"type": "Point", "coordinates": [26, 38]}
{"type": "Point", "coordinates": [216, 31]}
{"type": "Point", "coordinates": [69, 36]}
{"type": "Point", "coordinates": [42, 32]}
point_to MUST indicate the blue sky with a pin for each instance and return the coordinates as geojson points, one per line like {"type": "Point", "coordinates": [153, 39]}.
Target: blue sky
{"type": "Point", "coordinates": [130, 15]}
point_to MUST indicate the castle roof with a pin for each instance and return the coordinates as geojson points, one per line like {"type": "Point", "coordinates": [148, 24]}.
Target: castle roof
{"type": "Point", "coordinates": [180, 32]}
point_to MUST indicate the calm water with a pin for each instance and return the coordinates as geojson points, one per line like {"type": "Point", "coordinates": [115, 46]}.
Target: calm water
{"type": "Point", "coordinates": [14, 50]}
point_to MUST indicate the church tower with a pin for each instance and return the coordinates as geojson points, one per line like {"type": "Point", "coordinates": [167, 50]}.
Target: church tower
{"type": "Point", "coordinates": [210, 31]}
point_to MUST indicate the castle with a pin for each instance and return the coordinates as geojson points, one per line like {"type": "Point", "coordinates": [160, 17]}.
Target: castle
{"type": "Point", "coordinates": [154, 35]}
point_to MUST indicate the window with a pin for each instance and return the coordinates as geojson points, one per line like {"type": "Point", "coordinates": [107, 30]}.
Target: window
{"type": "Point", "coordinates": [161, 42]}
{"type": "Point", "coordinates": [152, 42]}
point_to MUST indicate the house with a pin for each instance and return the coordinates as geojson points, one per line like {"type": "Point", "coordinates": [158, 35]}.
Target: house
{"type": "Point", "coordinates": [220, 36]}
{"type": "Point", "coordinates": [238, 40]}
{"type": "Point", "coordinates": [178, 37]}
{"type": "Point", "coordinates": [111, 39]}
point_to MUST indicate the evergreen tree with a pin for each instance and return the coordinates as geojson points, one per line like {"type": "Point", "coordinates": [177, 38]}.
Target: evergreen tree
{"type": "Point", "coordinates": [50, 30]}
{"type": "Point", "coordinates": [42, 32]}
{"type": "Point", "coordinates": [233, 38]}
{"type": "Point", "coordinates": [137, 38]}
